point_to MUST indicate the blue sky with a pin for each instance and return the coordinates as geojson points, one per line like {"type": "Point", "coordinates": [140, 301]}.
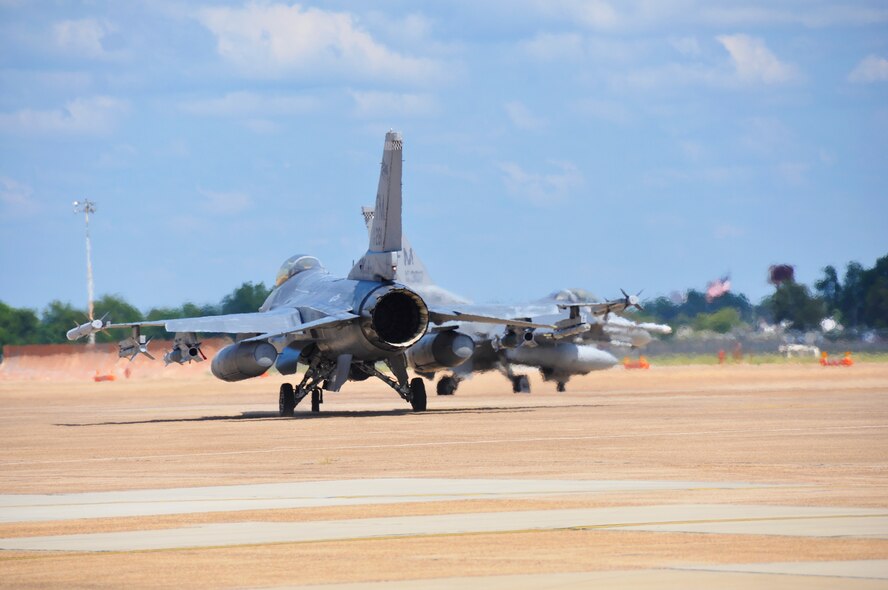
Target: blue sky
{"type": "Point", "coordinates": [548, 143]}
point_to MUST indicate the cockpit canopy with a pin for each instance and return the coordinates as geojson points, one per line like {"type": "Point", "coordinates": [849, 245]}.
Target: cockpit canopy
{"type": "Point", "coordinates": [294, 265]}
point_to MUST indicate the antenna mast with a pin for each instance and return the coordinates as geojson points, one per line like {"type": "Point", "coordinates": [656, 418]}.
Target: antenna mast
{"type": "Point", "coordinates": [86, 207]}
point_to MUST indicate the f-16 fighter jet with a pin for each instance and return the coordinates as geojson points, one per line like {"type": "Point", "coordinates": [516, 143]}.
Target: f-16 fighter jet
{"type": "Point", "coordinates": [559, 352]}
{"type": "Point", "coordinates": [339, 328]}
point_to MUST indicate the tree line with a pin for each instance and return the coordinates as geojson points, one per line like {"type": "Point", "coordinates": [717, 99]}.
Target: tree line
{"type": "Point", "coordinates": [858, 301]}
{"type": "Point", "coordinates": [26, 326]}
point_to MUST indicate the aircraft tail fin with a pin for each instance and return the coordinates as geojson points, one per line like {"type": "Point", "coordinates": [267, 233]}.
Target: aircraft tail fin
{"type": "Point", "coordinates": [385, 232]}
{"type": "Point", "coordinates": [380, 261]}
{"type": "Point", "coordinates": [411, 270]}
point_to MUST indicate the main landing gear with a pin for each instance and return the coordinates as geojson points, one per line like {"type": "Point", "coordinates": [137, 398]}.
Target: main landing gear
{"type": "Point", "coordinates": [447, 385]}
{"type": "Point", "coordinates": [320, 372]}
{"type": "Point", "coordinates": [520, 384]}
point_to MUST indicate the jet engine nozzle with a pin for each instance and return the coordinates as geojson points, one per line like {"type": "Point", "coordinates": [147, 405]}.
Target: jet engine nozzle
{"type": "Point", "coordinates": [394, 317]}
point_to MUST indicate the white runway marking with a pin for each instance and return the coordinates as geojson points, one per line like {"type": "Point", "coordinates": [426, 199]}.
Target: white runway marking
{"type": "Point", "coordinates": [747, 432]}
{"type": "Point", "coordinates": [33, 508]}
{"type": "Point", "coordinates": [702, 518]}
{"type": "Point", "coordinates": [861, 568]}
{"type": "Point", "coordinates": [648, 579]}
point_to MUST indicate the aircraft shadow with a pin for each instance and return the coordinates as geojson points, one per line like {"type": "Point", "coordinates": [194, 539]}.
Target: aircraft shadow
{"type": "Point", "coordinates": [257, 416]}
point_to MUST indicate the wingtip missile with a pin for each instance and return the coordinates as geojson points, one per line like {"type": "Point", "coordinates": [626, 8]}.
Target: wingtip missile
{"type": "Point", "coordinates": [86, 329]}
{"type": "Point", "coordinates": [632, 300]}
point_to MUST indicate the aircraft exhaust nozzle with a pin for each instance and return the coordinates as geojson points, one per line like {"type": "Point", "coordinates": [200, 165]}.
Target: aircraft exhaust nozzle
{"type": "Point", "coordinates": [85, 329]}
{"type": "Point", "coordinates": [394, 318]}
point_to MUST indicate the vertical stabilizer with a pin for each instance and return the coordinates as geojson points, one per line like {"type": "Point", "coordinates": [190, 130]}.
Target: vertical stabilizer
{"type": "Point", "coordinates": [411, 270]}
{"type": "Point", "coordinates": [385, 233]}
{"type": "Point", "coordinates": [380, 261]}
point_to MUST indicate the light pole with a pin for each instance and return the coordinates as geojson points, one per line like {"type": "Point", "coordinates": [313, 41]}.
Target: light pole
{"type": "Point", "coordinates": [86, 207]}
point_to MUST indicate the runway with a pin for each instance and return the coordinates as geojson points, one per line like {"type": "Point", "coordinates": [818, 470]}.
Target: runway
{"type": "Point", "coordinates": [699, 518]}
{"type": "Point", "coordinates": [350, 492]}
{"type": "Point", "coordinates": [728, 477]}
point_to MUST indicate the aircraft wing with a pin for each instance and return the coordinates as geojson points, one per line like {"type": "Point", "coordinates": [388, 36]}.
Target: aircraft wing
{"type": "Point", "coordinates": [326, 322]}
{"type": "Point", "coordinates": [267, 323]}
{"type": "Point", "coordinates": [603, 307]}
{"type": "Point", "coordinates": [440, 317]}
{"type": "Point", "coordinates": [235, 323]}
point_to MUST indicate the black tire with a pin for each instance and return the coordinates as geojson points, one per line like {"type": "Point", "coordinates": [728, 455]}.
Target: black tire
{"type": "Point", "coordinates": [446, 386]}
{"type": "Point", "coordinates": [418, 395]}
{"type": "Point", "coordinates": [315, 400]}
{"type": "Point", "coordinates": [520, 384]}
{"type": "Point", "coordinates": [286, 400]}
{"type": "Point", "coordinates": [561, 387]}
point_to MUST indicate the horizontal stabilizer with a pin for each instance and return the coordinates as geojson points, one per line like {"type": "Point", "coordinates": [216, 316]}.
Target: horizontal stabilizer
{"type": "Point", "coordinates": [440, 317]}
{"type": "Point", "coordinates": [327, 322]}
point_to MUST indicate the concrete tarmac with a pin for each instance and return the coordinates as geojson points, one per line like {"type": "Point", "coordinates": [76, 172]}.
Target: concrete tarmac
{"type": "Point", "coordinates": [697, 518]}
{"type": "Point", "coordinates": [348, 492]}
{"type": "Point", "coordinates": [854, 575]}
{"type": "Point", "coordinates": [687, 477]}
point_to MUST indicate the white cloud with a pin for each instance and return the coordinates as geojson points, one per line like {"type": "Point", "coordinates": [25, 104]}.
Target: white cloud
{"type": "Point", "coordinates": [251, 103]}
{"type": "Point", "coordinates": [522, 118]}
{"type": "Point", "coordinates": [262, 126]}
{"type": "Point", "coordinates": [693, 150]}
{"type": "Point", "coordinates": [392, 104]}
{"type": "Point", "coordinates": [117, 156]}
{"type": "Point", "coordinates": [814, 16]}
{"type": "Point", "coordinates": [671, 177]}
{"type": "Point", "coordinates": [549, 47]}
{"type": "Point", "coordinates": [97, 115]}
{"type": "Point", "coordinates": [277, 40]}
{"type": "Point", "coordinates": [16, 199]}
{"type": "Point", "coordinates": [795, 173]}
{"type": "Point", "coordinates": [754, 62]}
{"type": "Point", "coordinates": [726, 231]}
{"type": "Point", "coordinates": [541, 188]}
{"type": "Point", "coordinates": [767, 136]}
{"type": "Point", "coordinates": [83, 37]}
{"type": "Point", "coordinates": [225, 203]}
{"type": "Point", "coordinates": [595, 14]}
{"type": "Point", "coordinates": [872, 68]}
{"type": "Point", "coordinates": [554, 46]}
{"type": "Point", "coordinates": [673, 74]}
{"type": "Point", "coordinates": [685, 45]}
{"type": "Point", "coordinates": [751, 63]}
{"type": "Point", "coordinates": [606, 110]}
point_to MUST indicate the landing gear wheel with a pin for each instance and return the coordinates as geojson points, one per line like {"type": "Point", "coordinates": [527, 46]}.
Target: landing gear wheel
{"type": "Point", "coordinates": [317, 398]}
{"type": "Point", "coordinates": [520, 384]}
{"type": "Point", "coordinates": [446, 386]}
{"type": "Point", "coordinates": [418, 394]}
{"type": "Point", "coordinates": [286, 400]}
{"type": "Point", "coordinates": [561, 387]}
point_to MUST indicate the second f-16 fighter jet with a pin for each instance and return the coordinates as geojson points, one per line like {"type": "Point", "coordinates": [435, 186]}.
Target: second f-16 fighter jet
{"type": "Point", "coordinates": [338, 328]}
{"type": "Point", "coordinates": [559, 352]}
